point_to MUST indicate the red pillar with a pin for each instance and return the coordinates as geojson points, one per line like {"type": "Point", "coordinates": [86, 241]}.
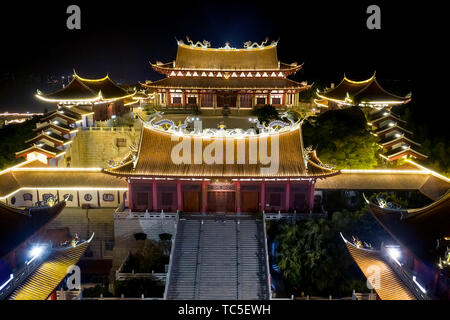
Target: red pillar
{"type": "Point", "coordinates": [263, 196]}
{"type": "Point", "coordinates": [288, 195]}
{"type": "Point", "coordinates": [130, 195]}
{"type": "Point", "coordinates": [204, 196]}
{"type": "Point", "coordinates": [238, 197]}
{"type": "Point", "coordinates": [179, 196]}
{"type": "Point", "coordinates": [311, 195]}
{"type": "Point", "coordinates": [155, 197]}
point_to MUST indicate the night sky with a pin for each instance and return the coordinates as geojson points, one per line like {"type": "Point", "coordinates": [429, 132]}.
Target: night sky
{"type": "Point", "coordinates": [121, 38]}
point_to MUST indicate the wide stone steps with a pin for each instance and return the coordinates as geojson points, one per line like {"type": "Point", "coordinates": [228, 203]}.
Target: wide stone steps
{"type": "Point", "coordinates": [219, 260]}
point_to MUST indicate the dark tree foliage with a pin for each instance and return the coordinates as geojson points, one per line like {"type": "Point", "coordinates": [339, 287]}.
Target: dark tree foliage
{"type": "Point", "coordinates": [12, 140]}
{"type": "Point", "coordinates": [265, 113]}
{"type": "Point", "coordinates": [149, 257]}
{"type": "Point", "coordinates": [313, 256]}
{"type": "Point", "coordinates": [342, 139]}
{"type": "Point", "coordinates": [431, 131]}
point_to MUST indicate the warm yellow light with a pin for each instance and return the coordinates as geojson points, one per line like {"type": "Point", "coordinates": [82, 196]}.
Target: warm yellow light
{"type": "Point", "coordinates": [434, 173]}
{"type": "Point", "coordinates": [383, 171]}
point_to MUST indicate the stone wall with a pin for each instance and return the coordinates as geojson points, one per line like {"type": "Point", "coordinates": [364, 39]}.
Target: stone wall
{"type": "Point", "coordinates": [125, 228]}
{"type": "Point", "coordinates": [95, 146]}
{"type": "Point", "coordinates": [84, 222]}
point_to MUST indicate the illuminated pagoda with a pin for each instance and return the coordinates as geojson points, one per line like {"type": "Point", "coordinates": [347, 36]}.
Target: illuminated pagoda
{"type": "Point", "coordinates": [395, 141]}
{"type": "Point", "coordinates": [52, 139]}
{"type": "Point", "coordinates": [366, 93]}
{"type": "Point", "coordinates": [419, 263]}
{"type": "Point", "coordinates": [101, 96]}
{"type": "Point", "coordinates": [226, 77]}
{"type": "Point", "coordinates": [234, 182]}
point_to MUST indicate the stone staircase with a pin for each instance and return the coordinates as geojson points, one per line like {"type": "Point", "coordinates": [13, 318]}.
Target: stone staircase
{"type": "Point", "coordinates": [219, 259]}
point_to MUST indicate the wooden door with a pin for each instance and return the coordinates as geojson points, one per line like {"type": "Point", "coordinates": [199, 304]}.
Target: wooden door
{"type": "Point", "coordinates": [221, 202]}
{"type": "Point", "coordinates": [143, 200]}
{"type": "Point", "coordinates": [250, 201]}
{"type": "Point", "coordinates": [191, 201]}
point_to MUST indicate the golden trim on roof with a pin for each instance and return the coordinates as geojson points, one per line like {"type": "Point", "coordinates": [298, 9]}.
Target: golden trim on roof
{"type": "Point", "coordinates": [46, 278]}
{"type": "Point", "coordinates": [390, 286]}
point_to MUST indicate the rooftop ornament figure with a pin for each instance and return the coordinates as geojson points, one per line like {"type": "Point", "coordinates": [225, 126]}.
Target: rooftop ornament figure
{"type": "Point", "coordinates": [252, 45]}
{"type": "Point", "coordinates": [204, 44]}
{"type": "Point", "coordinates": [388, 205]}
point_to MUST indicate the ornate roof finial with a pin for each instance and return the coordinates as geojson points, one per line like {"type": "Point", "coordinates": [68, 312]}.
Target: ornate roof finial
{"type": "Point", "coordinates": [204, 44]}
{"type": "Point", "coordinates": [251, 45]}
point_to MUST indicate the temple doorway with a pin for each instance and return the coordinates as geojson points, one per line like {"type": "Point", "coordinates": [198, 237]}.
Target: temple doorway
{"type": "Point", "coordinates": [191, 201]}
{"type": "Point", "coordinates": [250, 201]}
{"type": "Point", "coordinates": [226, 100]}
{"type": "Point", "coordinates": [221, 202]}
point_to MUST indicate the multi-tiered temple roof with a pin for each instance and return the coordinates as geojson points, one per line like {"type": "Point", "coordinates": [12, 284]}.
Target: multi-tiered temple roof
{"type": "Point", "coordinates": [81, 90]}
{"type": "Point", "coordinates": [363, 93]}
{"type": "Point", "coordinates": [154, 157]}
{"type": "Point", "coordinates": [239, 73]}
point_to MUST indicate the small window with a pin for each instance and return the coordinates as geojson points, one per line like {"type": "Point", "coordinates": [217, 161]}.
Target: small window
{"type": "Point", "coordinates": [121, 142]}
{"type": "Point", "coordinates": [27, 197]}
{"type": "Point", "coordinates": [108, 197]}
{"type": "Point", "coordinates": [276, 100]}
{"type": "Point", "coordinates": [176, 100]}
{"type": "Point", "coordinates": [192, 100]}
{"type": "Point", "coordinates": [68, 197]}
{"type": "Point", "coordinates": [88, 197]}
{"type": "Point", "coordinates": [13, 200]}
{"type": "Point", "coordinates": [260, 100]}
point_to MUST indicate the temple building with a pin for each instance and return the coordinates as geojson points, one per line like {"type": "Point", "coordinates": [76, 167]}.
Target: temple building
{"type": "Point", "coordinates": [237, 179]}
{"type": "Point", "coordinates": [102, 97]}
{"type": "Point", "coordinates": [366, 93]}
{"type": "Point", "coordinates": [226, 77]}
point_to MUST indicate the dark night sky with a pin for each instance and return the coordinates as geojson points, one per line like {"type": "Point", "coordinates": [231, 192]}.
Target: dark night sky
{"type": "Point", "coordinates": [121, 38]}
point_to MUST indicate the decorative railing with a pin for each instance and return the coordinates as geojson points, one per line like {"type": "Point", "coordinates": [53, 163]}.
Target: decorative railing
{"type": "Point", "coordinates": [126, 276]}
{"type": "Point", "coordinates": [406, 276]}
{"type": "Point", "coordinates": [269, 287]}
{"type": "Point", "coordinates": [109, 129]}
{"type": "Point", "coordinates": [172, 252]}
{"type": "Point", "coordinates": [69, 295]}
{"type": "Point", "coordinates": [364, 296]}
{"type": "Point", "coordinates": [295, 216]}
{"type": "Point", "coordinates": [122, 214]}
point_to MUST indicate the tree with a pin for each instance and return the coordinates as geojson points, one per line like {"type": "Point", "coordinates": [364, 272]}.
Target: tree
{"type": "Point", "coordinates": [13, 139]}
{"type": "Point", "coordinates": [431, 131]}
{"type": "Point", "coordinates": [265, 113]}
{"type": "Point", "coordinates": [149, 257]}
{"type": "Point", "coordinates": [313, 258]}
{"type": "Point", "coordinates": [341, 139]}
